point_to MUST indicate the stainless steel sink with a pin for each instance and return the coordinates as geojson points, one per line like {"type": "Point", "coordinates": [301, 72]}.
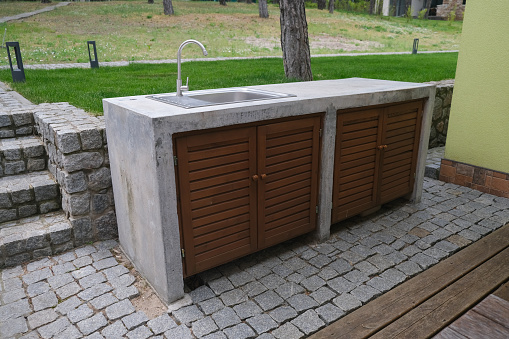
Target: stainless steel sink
{"type": "Point", "coordinates": [218, 97]}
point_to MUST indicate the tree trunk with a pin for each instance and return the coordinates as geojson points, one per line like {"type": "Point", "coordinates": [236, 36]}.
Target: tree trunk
{"type": "Point", "coordinates": [331, 6]}
{"type": "Point", "coordinates": [321, 4]}
{"type": "Point", "coordinates": [45, 1]}
{"type": "Point", "coordinates": [150, 1]}
{"type": "Point", "coordinates": [263, 9]}
{"type": "Point", "coordinates": [249, 2]}
{"type": "Point", "coordinates": [222, 2]}
{"type": "Point", "coordinates": [294, 40]}
{"type": "Point", "coordinates": [428, 6]}
{"type": "Point", "coordinates": [372, 6]}
{"type": "Point", "coordinates": [275, 2]}
{"type": "Point", "coordinates": [168, 7]}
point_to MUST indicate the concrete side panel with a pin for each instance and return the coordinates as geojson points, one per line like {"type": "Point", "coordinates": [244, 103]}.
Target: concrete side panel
{"type": "Point", "coordinates": [136, 191]}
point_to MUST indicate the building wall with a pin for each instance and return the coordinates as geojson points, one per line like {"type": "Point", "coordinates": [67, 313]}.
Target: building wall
{"type": "Point", "coordinates": [478, 132]}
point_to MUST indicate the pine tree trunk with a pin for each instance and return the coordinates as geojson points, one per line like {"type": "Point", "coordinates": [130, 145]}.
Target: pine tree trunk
{"type": "Point", "coordinates": [372, 6]}
{"type": "Point", "coordinates": [331, 6]}
{"type": "Point", "coordinates": [263, 9]}
{"type": "Point", "coordinates": [294, 40]}
{"type": "Point", "coordinates": [428, 6]}
{"type": "Point", "coordinates": [321, 4]}
{"type": "Point", "coordinates": [222, 2]}
{"type": "Point", "coordinates": [168, 7]}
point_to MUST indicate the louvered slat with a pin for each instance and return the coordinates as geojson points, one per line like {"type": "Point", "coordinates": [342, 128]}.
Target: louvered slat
{"type": "Point", "coordinates": [217, 196]}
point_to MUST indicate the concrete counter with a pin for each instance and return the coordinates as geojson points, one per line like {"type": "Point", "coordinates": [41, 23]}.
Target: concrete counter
{"type": "Point", "coordinates": [140, 142]}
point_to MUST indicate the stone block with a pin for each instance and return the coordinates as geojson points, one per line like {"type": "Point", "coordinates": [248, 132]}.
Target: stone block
{"type": "Point", "coordinates": [91, 139]}
{"type": "Point", "coordinates": [36, 240]}
{"type": "Point", "coordinates": [8, 215]}
{"type": "Point", "coordinates": [99, 179]}
{"type": "Point", "coordinates": [7, 134]}
{"type": "Point", "coordinates": [45, 192]}
{"type": "Point", "coordinates": [79, 161]}
{"type": "Point", "coordinates": [14, 244]}
{"type": "Point", "coordinates": [48, 206]}
{"type": "Point", "coordinates": [74, 182]}
{"type": "Point", "coordinates": [5, 119]}
{"type": "Point", "coordinates": [5, 200]}
{"type": "Point", "coordinates": [34, 151]}
{"type": "Point", "coordinates": [12, 154]}
{"type": "Point", "coordinates": [36, 165]}
{"type": "Point", "coordinates": [106, 226]}
{"type": "Point", "coordinates": [68, 142]}
{"type": "Point", "coordinates": [21, 119]}
{"type": "Point", "coordinates": [14, 167]}
{"type": "Point", "coordinates": [79, 204]}
{"type": "Point", "coordinates": [82, 230]}
{"type": "Point", "coordinates": [92, 324]}
{"type": "Point", "coordinates": [60, 233]}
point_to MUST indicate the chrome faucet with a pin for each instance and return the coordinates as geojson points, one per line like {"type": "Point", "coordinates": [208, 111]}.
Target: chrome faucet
{"type": "Point", "coordinates": [181, 88]}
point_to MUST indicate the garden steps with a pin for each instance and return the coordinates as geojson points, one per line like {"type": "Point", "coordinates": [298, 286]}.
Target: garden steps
{"type": "Point", "coordinates": [27, 194]}
{"type": "Point", "coordinates": [34, 237]}
{"type": "Point", "coordinates": [16, 121]}
{"type": "Point", "coordinates": [22, 155]}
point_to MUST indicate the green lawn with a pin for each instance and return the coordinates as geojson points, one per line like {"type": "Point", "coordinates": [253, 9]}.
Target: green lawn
{"type": "Point", "coordinates": [85, 88]}
{"type": "Point", "coordinates": [136, 30]}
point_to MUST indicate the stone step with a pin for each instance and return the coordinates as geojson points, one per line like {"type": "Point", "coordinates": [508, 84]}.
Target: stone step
{"type": "Point", "coordinates": [27, 194]}
{"type": "Point", "coordinates": [22, 155]}
{"type": "Point", "coordinates": [17, 121]}
{"type": "Point", "coordinates": [35, 237]}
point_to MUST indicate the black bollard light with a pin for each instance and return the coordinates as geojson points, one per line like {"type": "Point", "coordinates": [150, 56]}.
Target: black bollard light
{"type": "Point", "coordinates": [416, 46]}
{"type": "Point", "coordinates": [93, 63]}
{"type": "Point", "coordinates": [17, 71]}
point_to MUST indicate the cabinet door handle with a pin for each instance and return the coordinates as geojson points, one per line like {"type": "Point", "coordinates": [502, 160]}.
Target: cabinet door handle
{"type": "Point", "coordinates": [380, 147]}
{"type": "Point", "coordinates": [264, 176]}
{"type": "Point", "coordinates": [385, 146]}
{"type": "Point", "coordinates": [255, 177]}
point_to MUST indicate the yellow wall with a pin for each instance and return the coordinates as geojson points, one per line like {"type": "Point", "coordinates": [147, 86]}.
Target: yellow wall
{"type": "Point", "coordinates": [478, 131]}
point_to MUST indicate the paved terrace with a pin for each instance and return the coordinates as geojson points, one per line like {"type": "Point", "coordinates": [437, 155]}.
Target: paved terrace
{"type": "Point", "coordinates": [288, 291]}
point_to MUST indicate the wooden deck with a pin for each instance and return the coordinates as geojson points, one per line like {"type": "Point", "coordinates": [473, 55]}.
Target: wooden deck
{"type": "Point", "coordinates": [433, 302]}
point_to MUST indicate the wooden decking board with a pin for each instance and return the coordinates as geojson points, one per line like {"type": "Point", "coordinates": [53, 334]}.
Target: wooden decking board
{"type": "Point", "coordinates": [441, 309]}
{"type": "Point", "coordinates": [494, 308]}
{"type": "Point", "coordinates": [449, 333]}
{"type": "Point", "coordinates": [503, 292]}
{"type": "Point", "coordinates": [474, 325]}
{"type": "Point", "coordinates": [389, 307]}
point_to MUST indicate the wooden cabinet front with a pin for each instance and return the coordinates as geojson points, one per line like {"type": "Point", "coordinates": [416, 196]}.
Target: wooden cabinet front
{"type": "Point", "coordinates": [375, 157]}
{"type": "Point", "coordinates": [244, 189]}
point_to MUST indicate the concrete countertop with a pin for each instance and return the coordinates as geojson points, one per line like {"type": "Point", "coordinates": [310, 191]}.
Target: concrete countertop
{"type": "Point", "coordinates": [309, 96]}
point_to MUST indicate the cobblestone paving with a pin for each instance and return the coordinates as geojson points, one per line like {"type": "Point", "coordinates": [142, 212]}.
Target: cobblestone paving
{"type": "Point", "coordinates": [288, 291]}
{"type": "Point", "coordinates": [433, 161]}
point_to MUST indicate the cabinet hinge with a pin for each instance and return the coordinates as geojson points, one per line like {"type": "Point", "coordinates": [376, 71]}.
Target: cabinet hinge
{"type": "Point", "coordinates": [175, 161]}
{"type": "Point", "coordinates": [316, 209]}
{"type": "Point", "coordinates": [183, 252]}
{"type": "Point", "coordinates": [320, 132]}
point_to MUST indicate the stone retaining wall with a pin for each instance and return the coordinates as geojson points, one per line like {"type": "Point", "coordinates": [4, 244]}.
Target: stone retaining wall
{"type": "Point", "coordinates": [78, 159]}
{"type": "Point", "coordinates": [441, 111]}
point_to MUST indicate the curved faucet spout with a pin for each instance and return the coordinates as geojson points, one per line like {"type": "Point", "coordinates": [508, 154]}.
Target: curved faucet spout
{"type": "Point", "coordinates": [181, 88]}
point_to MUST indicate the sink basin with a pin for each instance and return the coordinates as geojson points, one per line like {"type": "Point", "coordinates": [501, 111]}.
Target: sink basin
{"type": "Point", "coordinates": [217, 97]}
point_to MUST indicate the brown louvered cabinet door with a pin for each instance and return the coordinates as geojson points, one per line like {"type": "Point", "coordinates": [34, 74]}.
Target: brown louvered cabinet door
{"type": "Point", "coordinates": [402, 129]}
{"type": "Point", "coordinates": [217, 197]}
{"type": "Point", "coordinates": [246, 188]}
{"type": "Point", "coordinates": [287, 191]}
{"type": "Point", "coordinates": [375, 157]}
{"type": "Point", "coordinates": [356, 163]}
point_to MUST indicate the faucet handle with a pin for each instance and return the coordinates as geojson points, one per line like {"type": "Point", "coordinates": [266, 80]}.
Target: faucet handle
{"type": "Point", "coordinates": [186, 87]}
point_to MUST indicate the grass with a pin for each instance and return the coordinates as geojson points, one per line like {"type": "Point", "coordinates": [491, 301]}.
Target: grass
{"type": "Point", "coordinates": [136, 30]}
{"type": "Point", "coordinates": [10, 8]}
{"type": "Point", "coordinates": [85, 88]}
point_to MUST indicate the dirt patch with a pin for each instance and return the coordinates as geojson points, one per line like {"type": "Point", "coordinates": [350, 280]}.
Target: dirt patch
{"type": "Point", "coordinates": [320, 42]}
{"type": "Point", "coordinates": [147, 301]}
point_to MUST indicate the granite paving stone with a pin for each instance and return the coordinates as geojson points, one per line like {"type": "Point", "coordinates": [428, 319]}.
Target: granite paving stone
{"type": "Point", "coordinates": [36, 276]}
{"type": "Point", "coordinates": [53, 328]}
{"type": "Point", "coordinates": [240, 331]}
{"type": "Point", "coordinates": [126, 292]}
{"type": "Point", "coordinates": [394, 275]}
{"type": "Point", "coordinates": [233, 297]}
{"type": "Point", "coordinates": [60, 280]}
{"type": "Point", "coordinates": [287, 331]}
{"type": "Point", "coordinates": [302, 302]}
{"type": "Point", "coordinates": [268, 300]}
{"type": "Point", "coordinates": [103, 301]}
{"type": "Point", "coordinates": [423, 260]}
{"type": "Point", "coordinates": [220, 285]}
{"type": "Point", "coordinates": [347, 302]}
{"type": "Point", "coordinates": [322, 295]}
{"type": "Point", "coordinates": [201, 293]}
{"type": "Point", "coordinates": [161, 324]}
{"type": "Point", "coordinates": [247, 309]}
{"type": "Point", "coordinates": [63, 268]}
{"type": "Point", "coordinates": [83, 272]}
{"type": "Point", "coordinates": [120, 309]}
{"type": "Point", "coordinates": [15, 295]}
{"type": "Point", "coordinates": [70, 332]}
{"type": "Point", "coordinates": [99, 255]}
{"type": "Point", "coordinates": [82, 261]}
{"type": "Point", "coordinates": [94, 291]}
{"type": "Point", "coordinates": [92, 324]}
{"type": "Point", "coordinates": [68, 290]}
{"type": "Point", "coordinates": [180, 332]}
{"type": "Point", "coordinates": [225, 317]}
{"type": "Point", "coordinates": [210, 306]}
{"type": "Point", "coordinates": [329, 313]}
{"type": "Point", "coordinates": [41, 318]}
{"type": "Point", "coordinates": [410, 268]}
{"type": "Point", "coordinates": [105, 263]}
{"type": "Point", "coordinates": [116, 329]}
{"type": "Point", "coordinates": [215, 335]}
{"type": "Point", "coordinates": [327, 273]}
{"type": "Point", "coordinates": [188, 314]}
{"type": "Point", "coordinates": [115, 271]}
{"type": "Point", "coordinates": [45, 300]}
{"type": "Point", "coordinates": [203, 327]}
{"type": "Point", "coordinates": [283, 313]}
{"type": "Point", "coordinates": [341, 285]}
{"type": "Point", "coordinates": [288, 289]}
{"type": "Point", "coordinates": [313, 283]}
{"type": "Point", "coordinates": [262, 323]}
{"type": "Point", "coordinates": [122, 281]}
{"type": "Point", "coordinates": [364, 293]}
{"type": "Point", "coordinates": [92, 279]}
{"type": "Point", "coordinates": [308, 322]}
{"type": "Point", "coordinates": [16, 326]}
{"type": "Point", "coordinates": [141, 332]}
{"type": "Point", "coordinates": [134, 319]}
{"type": "Point", "coordinates": [80, 313]}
